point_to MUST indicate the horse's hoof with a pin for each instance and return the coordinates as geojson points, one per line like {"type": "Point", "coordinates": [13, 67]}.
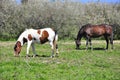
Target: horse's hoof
{"type": "Point", "coordinates": [35, 55]}
{"type": "Point", "coordinates": [27, 56]}
{"type": "Point", "coordinates": [52, 56]}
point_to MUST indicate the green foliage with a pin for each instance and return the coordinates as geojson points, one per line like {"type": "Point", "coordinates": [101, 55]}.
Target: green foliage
{"type": "Point", "coordinates": [70, 65]}
{"type": "Point", "coordinates": [65, 17]}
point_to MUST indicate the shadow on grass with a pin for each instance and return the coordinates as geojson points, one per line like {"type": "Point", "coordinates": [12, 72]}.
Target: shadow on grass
{"type": "Point", "coordinates": [36, 56]}
{"type": "Point", "coordinates": [92, 49]}
{"type": "Point", "coordinates": [99, 49]}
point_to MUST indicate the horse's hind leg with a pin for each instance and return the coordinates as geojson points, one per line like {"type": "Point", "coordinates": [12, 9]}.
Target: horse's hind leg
{"type": "Point", "coordinates": [56, 47]}
{"type": "Point", "coordinates": [57, 50]}
{"type": "Point", "coordinates": [87, 43]}
{"type": "Point", "coordinates": [107, 41]}
{"type": "Point", "coordinates": [111, 40]}
{"type": "Point", "coordinates": [88, 39]}
{"type": "Point", "coordinates": [52, 47]}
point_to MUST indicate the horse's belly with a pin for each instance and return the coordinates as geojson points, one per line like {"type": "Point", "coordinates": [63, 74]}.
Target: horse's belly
{"type": "Point", "coordinates": [36, 41]}
{"type": "Point", "coordinates": [95, 36]}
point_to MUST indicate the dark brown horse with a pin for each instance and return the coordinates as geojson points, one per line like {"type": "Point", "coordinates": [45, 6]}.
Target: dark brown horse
{"type": "Point", "coordinates": [92, 31]}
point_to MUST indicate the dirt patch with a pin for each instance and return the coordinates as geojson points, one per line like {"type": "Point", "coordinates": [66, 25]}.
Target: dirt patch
{"type": "Point", "coordinates": [11, 43]}
{"type": "Point", "coordinates": [7, 43]}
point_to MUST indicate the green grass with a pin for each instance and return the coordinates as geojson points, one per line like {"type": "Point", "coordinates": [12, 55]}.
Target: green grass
{"type": "Point", "coordinates": [70, 65]}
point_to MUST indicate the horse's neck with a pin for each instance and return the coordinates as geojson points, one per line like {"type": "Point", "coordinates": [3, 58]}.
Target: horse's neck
{"type": "Point", "coordinates": [23, 35]}
{"type": "Point", "coordinates": [79, 36]}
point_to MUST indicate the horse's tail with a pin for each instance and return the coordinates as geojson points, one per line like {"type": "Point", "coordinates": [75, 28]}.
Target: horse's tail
{"type": "Point", "coordinates": [112, 34]}
{"type": "Point", "coordinates": [56, 36]}
{"type": "Point", "coordinates": [55, 41]}
{"type": "Point", "coordinates": [113, 31]}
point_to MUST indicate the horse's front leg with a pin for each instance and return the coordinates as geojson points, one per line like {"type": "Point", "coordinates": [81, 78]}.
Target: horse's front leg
{"type": "Point", "coordinates": [33, 49]}
{"type": "Point", "coordinates": [90, 44]}
{"type": "Point", "coordinates": [28, 47]}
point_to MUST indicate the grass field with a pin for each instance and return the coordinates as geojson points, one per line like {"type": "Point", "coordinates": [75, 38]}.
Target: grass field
{"type": "Point", "coordinates": [96, 64]}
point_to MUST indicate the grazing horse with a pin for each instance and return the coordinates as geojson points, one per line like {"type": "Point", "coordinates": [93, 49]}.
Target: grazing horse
{"type": "Point", "coordinates": [31, 36]}
{"type": "Point", "coordinates": [92, 31]}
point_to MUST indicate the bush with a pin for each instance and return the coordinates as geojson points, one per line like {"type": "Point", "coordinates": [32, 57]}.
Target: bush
{"type": "Point", "coordinates": [65, 17]}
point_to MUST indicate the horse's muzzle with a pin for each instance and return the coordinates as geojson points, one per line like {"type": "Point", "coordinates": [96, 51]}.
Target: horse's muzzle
{"type": "Point", "coordinates": [16, 54]}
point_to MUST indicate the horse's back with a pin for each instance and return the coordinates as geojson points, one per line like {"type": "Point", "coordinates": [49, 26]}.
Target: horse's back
{"type": "Point", "coordinates": [49, 31]}
{"type": "Point", "coordinates": [96, 30]}
{"type": "Point", "coordinates": [40, 33]}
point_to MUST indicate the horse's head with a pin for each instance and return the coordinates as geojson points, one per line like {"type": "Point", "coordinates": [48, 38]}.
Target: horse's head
{"type": "Point", "coordinates": [17, 48]}
{"type": "Point", "coordinates": [77, 42]}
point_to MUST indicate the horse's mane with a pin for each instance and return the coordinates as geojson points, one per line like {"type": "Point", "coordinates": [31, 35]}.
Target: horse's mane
{"type": "Point", "coordinates": [103, 24]}
{"type": "Point", "coordinates": [84, 26]}
{"type": "Point", "coordinates": [21, 32]}
{"type": "Point", "coordinates": [28, 29]}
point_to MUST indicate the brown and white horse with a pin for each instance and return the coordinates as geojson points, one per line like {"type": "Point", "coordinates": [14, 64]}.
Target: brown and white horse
{"type": "Point", "coordinates": [31, 36]}
{"type": "Point", "coordinates": [92, 31]}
